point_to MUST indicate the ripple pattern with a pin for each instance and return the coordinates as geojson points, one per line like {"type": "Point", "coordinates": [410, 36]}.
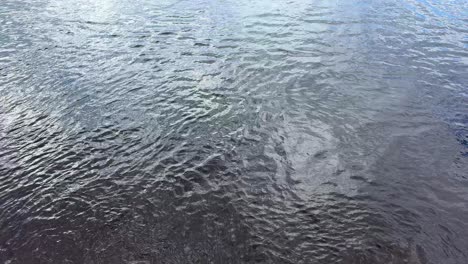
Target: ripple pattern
{"type": "Point", "coordinates": [233, 131]}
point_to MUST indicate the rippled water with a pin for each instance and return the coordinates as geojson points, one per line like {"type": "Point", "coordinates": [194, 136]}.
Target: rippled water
{"type": "Point", "coordinates": [264, 131]}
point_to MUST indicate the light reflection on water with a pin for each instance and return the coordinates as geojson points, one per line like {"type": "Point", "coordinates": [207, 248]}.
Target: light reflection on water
{"type": "Point", "coordinates": [233, 132]}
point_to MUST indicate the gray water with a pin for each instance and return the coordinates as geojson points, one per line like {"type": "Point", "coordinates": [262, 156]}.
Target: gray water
{"type": "Point", "coordinates": [221, 131]}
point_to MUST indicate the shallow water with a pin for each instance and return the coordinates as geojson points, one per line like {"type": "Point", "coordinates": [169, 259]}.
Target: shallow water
{"type": "Point", "coordinates": [284, 131]}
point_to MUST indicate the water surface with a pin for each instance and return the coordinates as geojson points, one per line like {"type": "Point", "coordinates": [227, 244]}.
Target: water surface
{"type": "Point", "coordinates": [284, 131]}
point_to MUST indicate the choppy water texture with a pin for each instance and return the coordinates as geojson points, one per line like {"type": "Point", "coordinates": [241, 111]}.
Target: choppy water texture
{"type": "Point", "coordinates": [251, 131]}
